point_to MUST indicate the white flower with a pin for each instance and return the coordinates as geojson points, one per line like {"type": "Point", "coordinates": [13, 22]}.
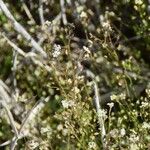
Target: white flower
{"type": "Point", "coordinates": [75, 90]}
{"type": "Point", "coordinates": [134, 147]}
{"type": "Point", "coordinates": [33, 144]}
{"type": "Point", "coordinates": [148, 92]}
{"type": "Point", "coordinates": [114, 133]}
{"type": "Point", "coordinates": [67, 103]}
{"type": "Point", "coordinates": [110, 105]}
{"type": "Point", "coordinates": [146, 125]}
{"type": "Point", "coordinates": [45, 130]}
{"type": "Point", "coordinates": [144, 104]}
{"type": "Point", "coordinates": [56, 50]}
{"type": "Point", "coordinates": [102, 113]}
{"type": "Point", "coordinates": [134, 138]}
{"type": "Point", "coordinates": [80, 9]}
{"type": "Point", "coordinates": [83, 15]}
{"type": "Point", "coordinates": [122, 96]}
{"type": "Point", "coordinates": [60, 127]}
{"type": "Point", "coordinates": [92, 145]}
{"type": "Point", "coordinates": [138, 2]}
{"type": "Point", "coordinates": [122, 132]}
{"type": "Point", "coordinates": [106, 25]}
{"type": "Point", "coordinates": [65, 132]}
{"type": "Point", "coordinates": [113, 97]}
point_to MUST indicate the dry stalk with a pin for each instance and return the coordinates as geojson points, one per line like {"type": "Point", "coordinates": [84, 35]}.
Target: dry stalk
{"type": "Point", "coordinates": [63, 12]}
{"type": "Point", "coordinates": [41, 12]}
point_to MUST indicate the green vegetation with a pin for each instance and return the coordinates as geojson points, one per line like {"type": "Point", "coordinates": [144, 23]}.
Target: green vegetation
{"type": "Point", "coordinates": [84, 51]}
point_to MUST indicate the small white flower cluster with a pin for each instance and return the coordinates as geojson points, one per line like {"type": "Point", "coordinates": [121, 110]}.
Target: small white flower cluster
{"type": "Point", "coordinates": [148, 92]}
{"type": "Point", "coordinates": [67, 103]}
{"type": "Point", "coordinates": [122, 132]}
{"type": "Point", "coordinates": [122, 96]}
{"type": "Point", "coordinates": [65, 132]}
{"type": "Point", "coordinates": [46, 129]}
{"type": "Point", "coordinates": [102, 113]}
{"type": "Point", "coordinates": [76, 90]}
{"type": "Point", "coordinates": [33, 144]}
{"type": "Point", "coordinates": [92, 145]}
{"type": "Point", "coordinates": [106, 25]}
{"type": "Point", "coordinates": [114, 133]}
{"type": "Point", "coordinates": [81, 12]}
{"type": "Point", "coordinates": [144, 105]}
{"type": "Point", "coordinates": [80, 9]}
{"type": "Point", "coordinates": [138, 2]}
{"type": "Point", "coordinates": [134, 138]}
{"type": "Point", "coordinates": [83, 15]}
{"type": "Point", "coordinates": [60, 127]}
{"type": "Point", "coordinates": [113, 97]}
{"type": "Point", "coordinates": [56, 50]}
{"type": "Point", "coordinates": [134, 146]}
{"type": "Point", "coordinates": [146, 125]}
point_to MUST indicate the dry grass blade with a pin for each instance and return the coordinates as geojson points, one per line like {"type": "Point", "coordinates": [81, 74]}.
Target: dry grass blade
{"type": "Point", "coordinates": [63, 12]}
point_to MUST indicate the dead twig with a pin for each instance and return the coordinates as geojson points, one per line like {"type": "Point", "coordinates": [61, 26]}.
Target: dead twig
{"type": "Point", "coordinates": [14, 69]}
{"type": "Point", "coordinates": [20, 29]}
{"type": "Point", "coordinates": [63, 12]}
{"type": "Point", "coordinates": [31, 55]}
{"type": "Point", "coordinates": [27, 11]}
{"type": "Point", "coordinates": [41, 12]}
{"type": "Point", "coordinates": [13, 45]}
